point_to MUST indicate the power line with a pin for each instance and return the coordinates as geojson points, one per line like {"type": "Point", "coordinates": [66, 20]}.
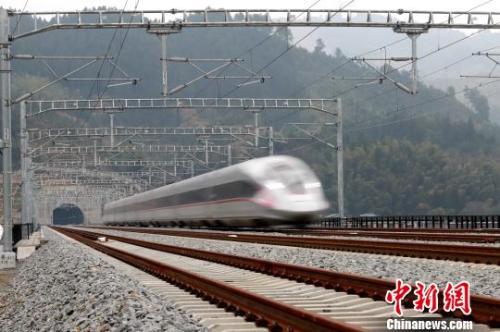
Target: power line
{"type": "Point", "coordinates": [276, 31]}
{"type": "Point", "coordinates": [249, 50]}
{"type": "Point", "coordinates": [327, 75]}
{"type": "Point", "coordinates": [289, 48]}
{"type": "Point", "coordinates": [455, 63]}
{"type": "Point", "coordinates": [290, 114]}
{"type": "Point", "coordinates": [407, 64]}
{"type": "Point", "coordinates": [108, 50]}
{"type": "Point", "coordinates": [480, 85]}
{"type": "Point", "coordinates": [425, 75]}
{"type": "Point", "coordinates": [419, 104]}
{"type": "Point", "coordinates": [425, 113]}
{"type": "Point", "coordinates": [119, 53]}
{"type": "Point", "coordinates": [19, 18]}
{"type": "Point", "coordinates": [336, 69]}
{"type": "Point", "coordinates": [383, 124]}
{"type": "Point", "coordinates": [345, 63]}
{"type": "Point", "coordinates": [296, 43]}
{"type": "Point", "coordinates": [429, 53]}
{"type": "Point", "coordinates": [424, 56]}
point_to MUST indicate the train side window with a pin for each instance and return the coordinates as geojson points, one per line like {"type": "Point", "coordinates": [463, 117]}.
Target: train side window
{"type": "Point", "coordinates": [234, 190]}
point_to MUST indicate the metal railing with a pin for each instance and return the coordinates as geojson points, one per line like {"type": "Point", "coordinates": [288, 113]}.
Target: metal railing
{"type": "Point", "coordinates": [417, 222]}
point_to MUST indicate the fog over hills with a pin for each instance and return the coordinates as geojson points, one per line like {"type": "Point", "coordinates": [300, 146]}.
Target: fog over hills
{"type": "Point", "coordinates": [356, 41]}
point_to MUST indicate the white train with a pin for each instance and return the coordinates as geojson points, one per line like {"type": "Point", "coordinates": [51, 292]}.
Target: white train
{"type": "Point", "coordinates": [260, 192]}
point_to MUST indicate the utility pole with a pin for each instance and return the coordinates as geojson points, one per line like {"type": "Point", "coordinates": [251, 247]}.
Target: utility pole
{"type": "Point", "coordinates": [271, 141]}
{"type": "Point", "coordinates": [26, 214]}
{"type": "Point", "coordinates": [163, 40]}
{"type": "Point", "coordinates": [112, 129]}
{"type": "Point", "coordinates": [412, 33]}
{"type": "Point", "coordinates": [32, 212]}
{"type": "Point", "coordinates": [256, 125]}
{"type": "Point", "coordinates": [206, 150]}
{"type": "Point", "coordinates": [5, 107]}
{"type": "Point", "coordinates": [95, 151]}
{"type": "Point", "coordinates": [340, 159]}
{"type": "Point", "coordinates": [162, 33]}
{"type": "Point", "coordinates": [175, 165]}
{"type": "Point", "coordinates": [413, 37]}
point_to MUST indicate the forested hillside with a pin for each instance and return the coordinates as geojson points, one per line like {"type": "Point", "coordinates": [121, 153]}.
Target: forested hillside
{"type": "Point", "coordinates": [404, 154]}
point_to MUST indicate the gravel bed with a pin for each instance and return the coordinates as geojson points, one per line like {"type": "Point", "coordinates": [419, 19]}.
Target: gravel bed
{"type": "Point", "coordinates": [484, 279]}
{"type": "Point", "coordinates": [64, 288]}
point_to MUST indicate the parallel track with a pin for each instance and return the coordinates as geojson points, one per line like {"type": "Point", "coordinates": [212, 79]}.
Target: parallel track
{"type": "Point", "coordinates": [469, 253]}
{"type": "Point", "coordinates": [442, 235]}
{"type": "Point", "coordinates": [484, 308]}
{"type": "Point", "coordinates": [277, 316]}
{"type": "Point", "coordinates": [410, 230]}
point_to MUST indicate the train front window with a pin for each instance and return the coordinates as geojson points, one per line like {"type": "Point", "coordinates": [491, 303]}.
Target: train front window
{"type": "Point", "coordinates": [291, 178]}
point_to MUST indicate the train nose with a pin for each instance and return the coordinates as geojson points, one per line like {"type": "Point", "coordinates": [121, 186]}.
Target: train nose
{"type": "Point", "coordinates": [306, 204]}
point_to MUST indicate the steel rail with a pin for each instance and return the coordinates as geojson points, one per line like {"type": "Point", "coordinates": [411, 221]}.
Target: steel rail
{"type": "Point", "coordinates": [416, 235]}
{"type": "Point", "coordinates": [484, 308]}
{"type": "Point", "coordinates": [273, 314]}
{"type": "Point", "coordinates": [409, 230]}
{"type": "Point", "coordinates": [469, 253]}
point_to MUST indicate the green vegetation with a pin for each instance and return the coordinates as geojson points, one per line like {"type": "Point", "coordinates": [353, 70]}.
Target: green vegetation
{"type": "Point", "coordinates": [404, 154]}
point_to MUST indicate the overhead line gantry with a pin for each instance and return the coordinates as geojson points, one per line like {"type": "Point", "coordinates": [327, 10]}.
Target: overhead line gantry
{"type": "Point", "coordinates": [199, 18]}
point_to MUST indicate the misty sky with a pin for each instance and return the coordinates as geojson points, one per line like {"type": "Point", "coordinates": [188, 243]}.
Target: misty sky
{"type": "Point", "coordinates": [60, 5]}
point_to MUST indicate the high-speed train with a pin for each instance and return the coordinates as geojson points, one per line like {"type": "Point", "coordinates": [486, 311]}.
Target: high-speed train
{"type": "Point", "coordinates": [265, 191]}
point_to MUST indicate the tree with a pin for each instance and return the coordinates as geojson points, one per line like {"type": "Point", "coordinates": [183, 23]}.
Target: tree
{"type": "Point", "coordinates": [451, 91]}
{"type": "Point", "coordinates": [320, 46]}
{"type": "Point", "coordinates": [479, 102]}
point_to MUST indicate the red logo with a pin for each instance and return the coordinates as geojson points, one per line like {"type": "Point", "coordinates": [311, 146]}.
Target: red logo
{"type": "Point", "coordinates": [455, 297]}
{"type": "Point", "coordinates": [397, 296]}
{"type": "Point", "coordinates": [426, 297]}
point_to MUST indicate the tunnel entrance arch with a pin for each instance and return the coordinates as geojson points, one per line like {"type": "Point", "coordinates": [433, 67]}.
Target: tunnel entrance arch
{"type": "Point", "coordinates": [67, 214]}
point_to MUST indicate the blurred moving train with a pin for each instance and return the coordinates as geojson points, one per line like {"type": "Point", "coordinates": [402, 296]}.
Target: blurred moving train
{"type": "Point", "coordinates": [267, 191]}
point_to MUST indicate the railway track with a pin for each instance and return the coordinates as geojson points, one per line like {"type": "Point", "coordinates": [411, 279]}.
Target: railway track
{"type": "Point", "coordinates": [410, 229]}
{"type": "Point", "coordinates": [468, 253]}
{"type": "Point", "coordinates": [443, 235]}
{"type": "Point", "coordinates": [292, 305]}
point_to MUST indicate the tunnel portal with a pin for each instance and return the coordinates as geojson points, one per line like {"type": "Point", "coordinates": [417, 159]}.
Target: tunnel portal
{"type": "Point", "coordinates": [67, 214]}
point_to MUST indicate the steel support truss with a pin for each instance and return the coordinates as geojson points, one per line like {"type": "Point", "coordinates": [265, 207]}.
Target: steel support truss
{"type": "Point", "coordinates": [117, 163]}
{"type": "Point", "coordinates": [177, 19]}
{"type": "Point", "coordinates": [126, 177]}
{"type": "Point", "coordinates": [45, 181]}
{"type": "Point", "coordinates": [149, 148]}
{"type": "Point", "coordinates": [53, 133]}
{"type": "Point", "coordinates": [37, 107]}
